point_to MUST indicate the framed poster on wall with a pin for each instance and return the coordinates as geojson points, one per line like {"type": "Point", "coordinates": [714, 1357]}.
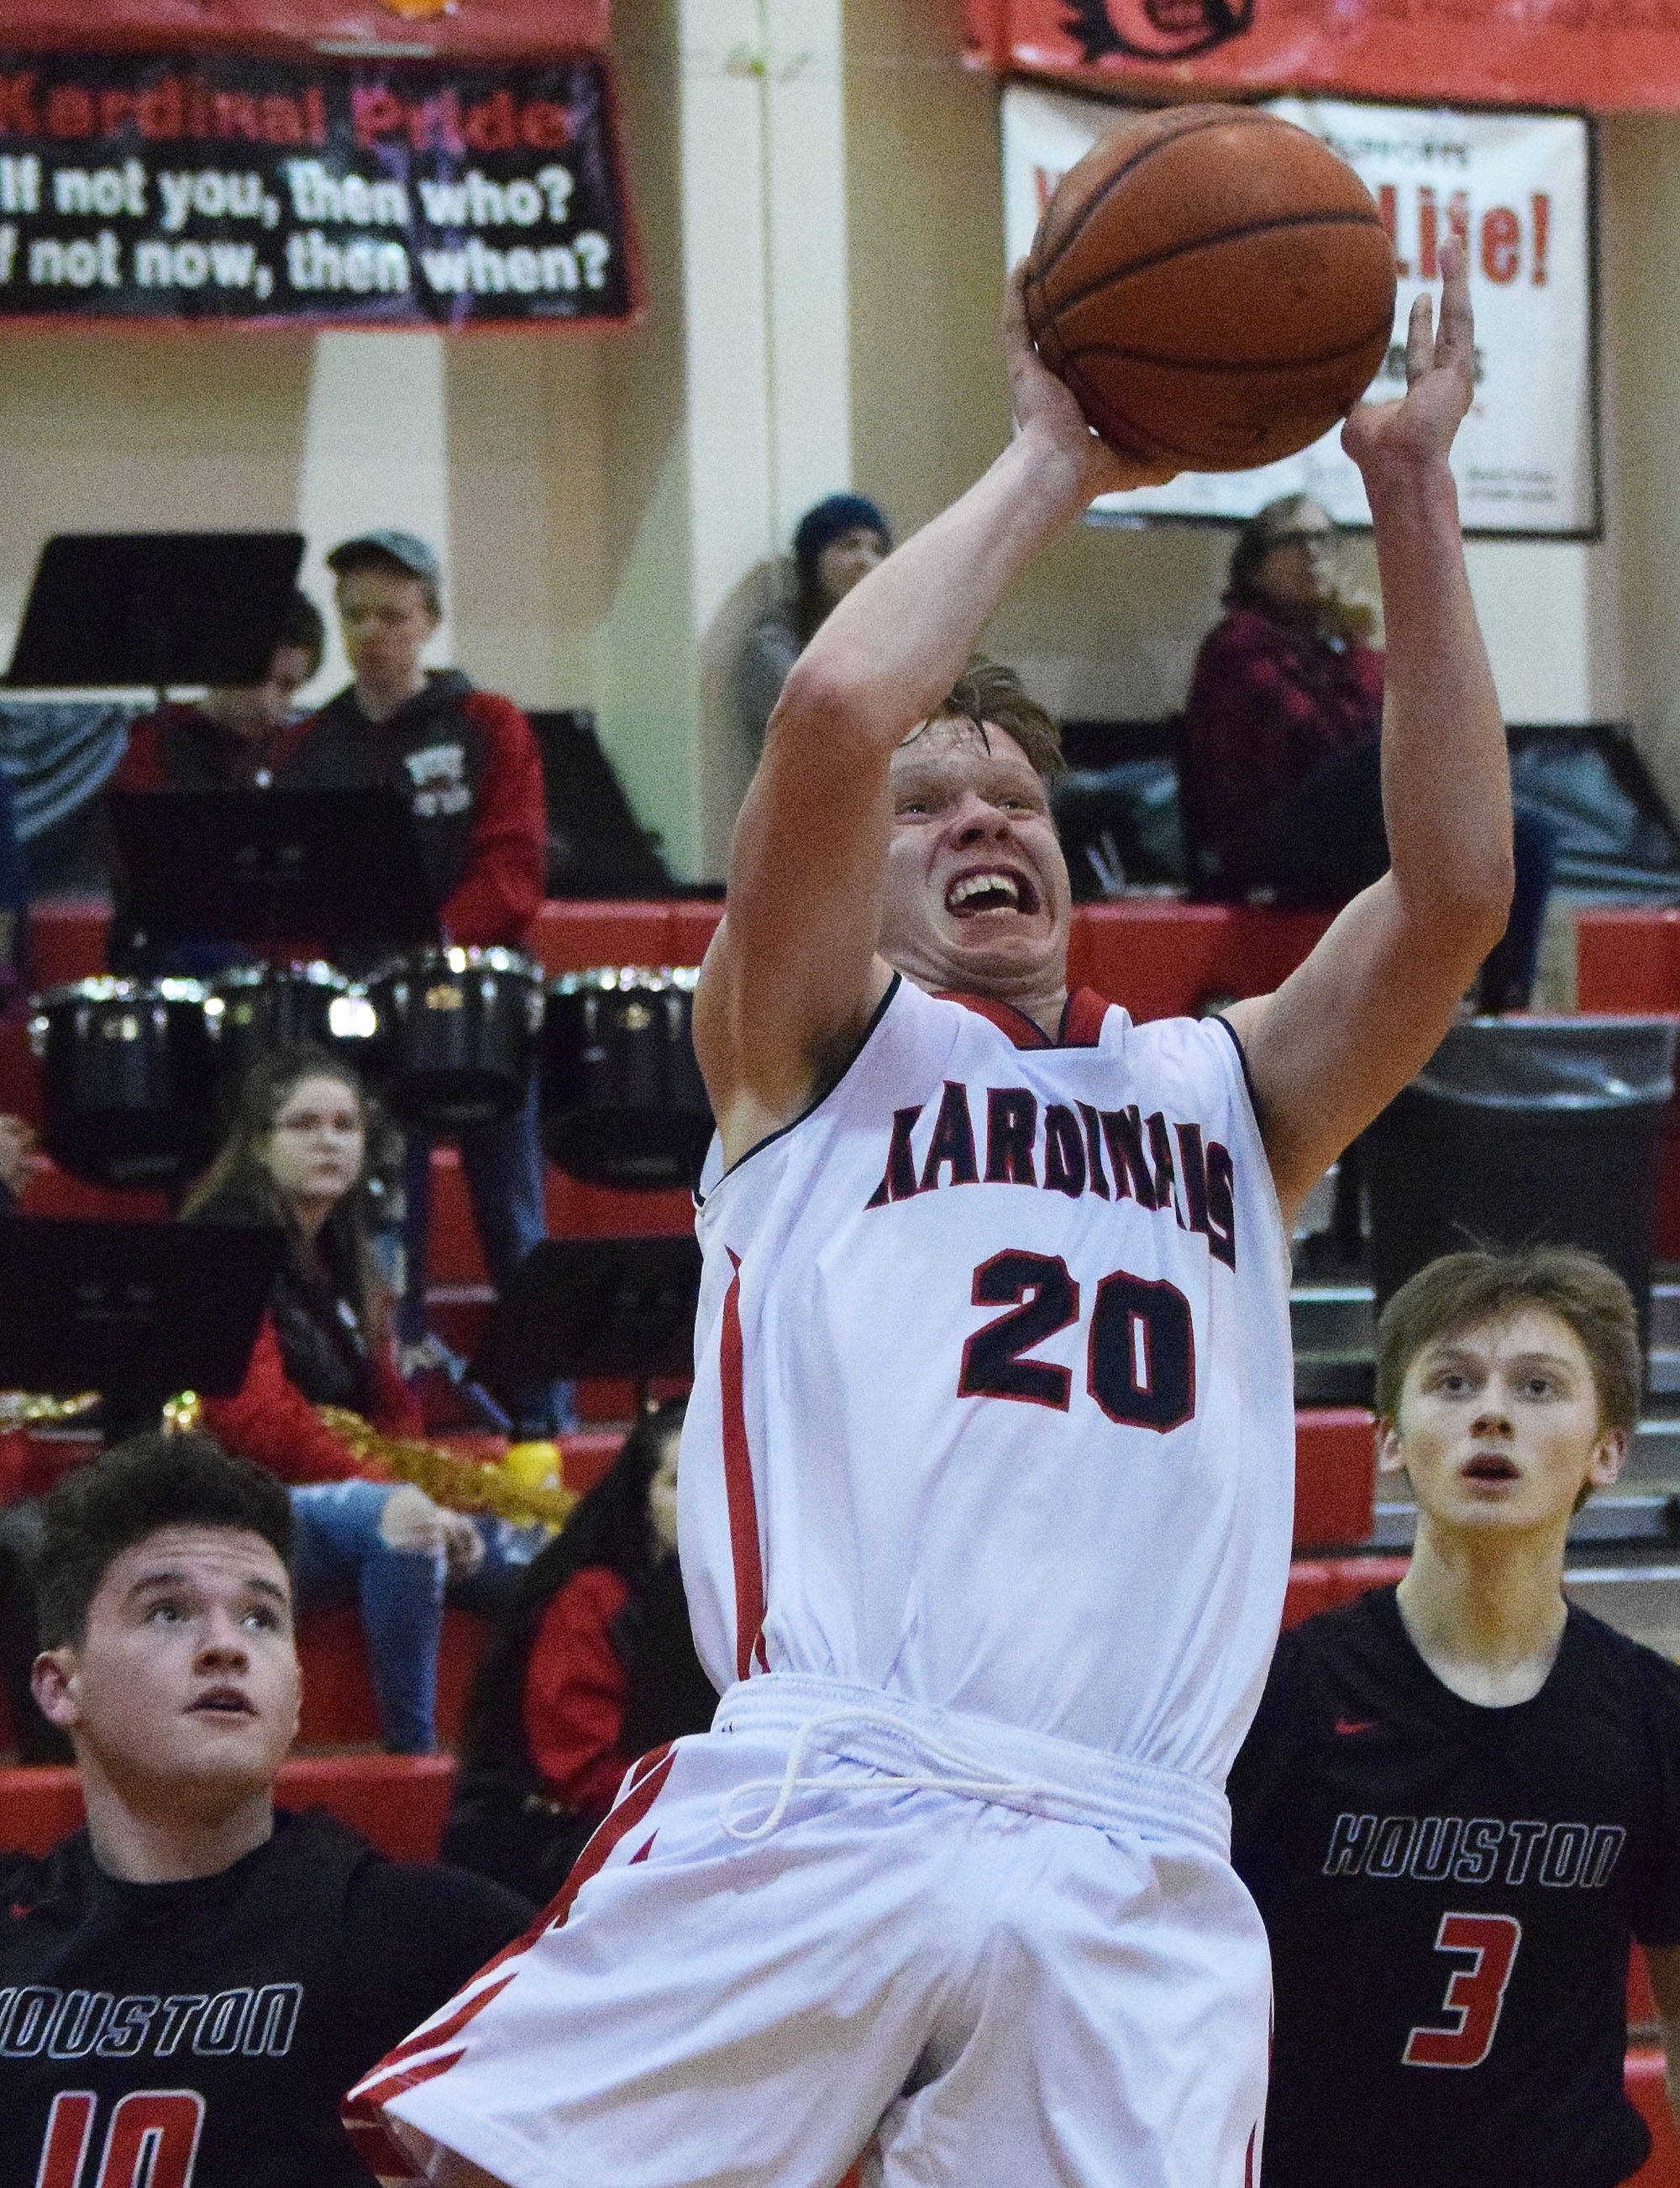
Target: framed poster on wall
{"type": "Point", "coordinates": [1517, 188]}
{"type": "Point", "coordinates": [218, 187]}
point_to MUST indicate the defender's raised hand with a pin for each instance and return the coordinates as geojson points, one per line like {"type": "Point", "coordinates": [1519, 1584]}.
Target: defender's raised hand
{"type": "Point", "coordinates": [1441, 379]}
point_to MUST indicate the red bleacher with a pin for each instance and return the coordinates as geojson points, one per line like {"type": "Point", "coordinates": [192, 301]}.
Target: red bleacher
{"type": "Point", "coordinates": [397, 1803]}
{"type": "Point", "coordinates": [1627, 960]}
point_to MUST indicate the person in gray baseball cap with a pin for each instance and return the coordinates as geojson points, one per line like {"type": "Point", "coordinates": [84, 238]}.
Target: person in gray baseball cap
{"type": "Point", "coordinates": [467, 765]}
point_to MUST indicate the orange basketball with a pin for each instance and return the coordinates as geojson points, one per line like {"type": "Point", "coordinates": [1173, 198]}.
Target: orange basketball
{"type": "Point", "coordinates": [1214, 285]}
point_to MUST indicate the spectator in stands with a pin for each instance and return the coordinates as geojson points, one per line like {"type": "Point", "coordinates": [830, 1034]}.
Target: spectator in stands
{"type": "Point", "coordinates": [294, 1157]}
{"type": "Point", "coordinates": [1278, 766]}
{"type": "Point", "coordinates": [592, 1665]}
{"type": "Point", "coordinates": [467, 764]}
{"type": "Point", "coordinates": [232, 739]}
{"type": "Point", "coordinates": [836, 544]}
{"type": "Point", "coordinates": [191, 1983]}
{"type": "Point", "coordinates": [1460, 1799]}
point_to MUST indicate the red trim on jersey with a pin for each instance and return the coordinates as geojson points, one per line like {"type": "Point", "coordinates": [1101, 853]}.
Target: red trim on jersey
{"type": "Point", "coordinates": [744, 1510]}
{"type": "Point", "coordinates": [1081, 1026]}
{"type": "Point", "coordinates": [1024, 1032]}
{"type": "Point", "coordinates": [1082, 1017]}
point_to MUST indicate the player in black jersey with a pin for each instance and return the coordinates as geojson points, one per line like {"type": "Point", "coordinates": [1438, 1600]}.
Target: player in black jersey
{"type": "Point", "coordinates": [1461, 1798]}
{"type": "Point", "coordinates": [189, 1986]}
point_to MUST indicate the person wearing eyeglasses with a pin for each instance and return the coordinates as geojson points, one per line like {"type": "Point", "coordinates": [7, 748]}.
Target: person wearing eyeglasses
{"type": "Point", "coordinates": [1279, 777]}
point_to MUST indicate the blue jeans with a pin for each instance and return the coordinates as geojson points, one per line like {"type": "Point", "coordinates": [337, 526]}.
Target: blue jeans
{"type": "Point", "coordinates": [503, 1163]}
{"type": "Point", "coordinates": [340, 1557]}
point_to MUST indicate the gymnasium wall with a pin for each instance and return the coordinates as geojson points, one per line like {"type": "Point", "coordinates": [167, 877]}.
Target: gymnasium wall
{"type": "Point", "coordinates": [1109, 621]}
{"type": "Point", "coordinates": [596, 499]}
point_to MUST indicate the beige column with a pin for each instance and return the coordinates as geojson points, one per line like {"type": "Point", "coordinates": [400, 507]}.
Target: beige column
{"type": "Point", "coordinates": [764, 421]}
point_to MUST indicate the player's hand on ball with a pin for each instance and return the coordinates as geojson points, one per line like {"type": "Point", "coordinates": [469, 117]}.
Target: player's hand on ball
{"type": "Point", "coordinates": [1441, 381]}
{"type": "Point", "coordinates": [1043, 406]}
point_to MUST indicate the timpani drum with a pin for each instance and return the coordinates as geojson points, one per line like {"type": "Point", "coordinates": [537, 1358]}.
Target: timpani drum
{"type": "Point", "coordinates": [624, 1103]}
{"type": "Point", "coordinates": [456, 1039]}
{"type": "Point", "coordinates": [269, 1006]}
{"type": "Point", "coordinates": [127, 1075]}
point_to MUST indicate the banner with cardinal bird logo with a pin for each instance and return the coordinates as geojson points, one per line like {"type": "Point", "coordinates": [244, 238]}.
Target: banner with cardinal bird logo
{"type": "Point", "coordinates": [1605, 55]}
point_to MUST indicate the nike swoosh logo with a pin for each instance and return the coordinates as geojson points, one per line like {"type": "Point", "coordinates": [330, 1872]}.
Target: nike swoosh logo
{"type": "Point", "coordinates": [1347, 1724]}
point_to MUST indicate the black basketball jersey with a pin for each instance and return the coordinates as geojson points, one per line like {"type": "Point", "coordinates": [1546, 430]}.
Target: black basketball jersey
{"type": "Point", "coordinates": [200, 2035]}
{"type": "Point", "coordinates": [1450, 1893]}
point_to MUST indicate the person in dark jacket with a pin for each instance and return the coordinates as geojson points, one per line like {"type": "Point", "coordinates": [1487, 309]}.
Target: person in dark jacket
{"type": "Point", "coordinates": [1278, 747]}
{"type": "Point", "coordinates": [592, 1664]}
{"type": "Point", "coordinates": [295, 1158]}
{"type": "Point", "coordinates": [234, 738]}
{"type": "Point", "coordinates": [231, 739]}
{"type": "Point", "coordinates": [468, 766]}
{"type": "Point", "coordinates": [190, 1985]}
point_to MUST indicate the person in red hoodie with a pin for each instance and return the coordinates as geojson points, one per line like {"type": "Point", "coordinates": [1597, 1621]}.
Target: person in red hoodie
{"type": "Point", "coordinates": [295, 1158]}
{"type": "Point", "coordinates": [467, 764]}
{"type": "Point", "coordinates": [233, 738]}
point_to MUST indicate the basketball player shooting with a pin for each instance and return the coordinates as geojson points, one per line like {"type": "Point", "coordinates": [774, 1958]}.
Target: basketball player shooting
{"type": "Point", "coordinates": [986, 1483]}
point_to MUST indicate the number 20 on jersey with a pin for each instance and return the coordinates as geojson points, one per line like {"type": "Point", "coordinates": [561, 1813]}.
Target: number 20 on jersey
{"type": "Point", "coordinates": [1140, 1355]}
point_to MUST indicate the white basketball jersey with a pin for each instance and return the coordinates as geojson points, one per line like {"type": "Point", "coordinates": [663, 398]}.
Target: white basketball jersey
{"type": "Point", "coordinates": [994, 1403]}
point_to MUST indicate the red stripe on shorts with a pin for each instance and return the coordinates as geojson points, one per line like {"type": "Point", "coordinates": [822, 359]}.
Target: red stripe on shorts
{"type": "Point", "coordinates": [379, 2153]}
{"type": "Point", "coordinates": [393, 2085]}
{"type": "Point", "coordinates": [618, 1825]}
{"type": "Point", "coordinates": [429, 2038]}
{"type": "Point", "coordinates": [749, 1572]}
{"type": "Point", "coordinates": [380, 2085]}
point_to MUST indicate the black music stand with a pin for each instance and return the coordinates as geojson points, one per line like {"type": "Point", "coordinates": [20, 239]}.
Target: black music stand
{"type": "Point", "coordinates": [341, 870]}
{"type": "Point", "coordinates": [112, 610]}
{"type": "Point", "coordinates": [134, 1310]}
{"type": "Point", "coordinates": [595, 1307]}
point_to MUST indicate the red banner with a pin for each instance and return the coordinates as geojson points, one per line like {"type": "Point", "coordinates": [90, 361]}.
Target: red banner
{"type": "Point", "coordinates": [477, 29]}
{"type": "Point", "coordinates": [1606, 55]}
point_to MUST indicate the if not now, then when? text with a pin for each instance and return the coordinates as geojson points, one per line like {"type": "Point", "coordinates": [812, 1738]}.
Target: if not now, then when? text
{"type": "Point", "coordinates": [314, 261]}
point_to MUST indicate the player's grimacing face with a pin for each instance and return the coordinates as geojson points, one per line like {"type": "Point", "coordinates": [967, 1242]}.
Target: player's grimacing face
{"type": "Point", "coordinates": [976, 892]}
{"type": "Point", "coordinates": [1498, 1425]}
{"type": "Point", "coordinates": [188, 1672]}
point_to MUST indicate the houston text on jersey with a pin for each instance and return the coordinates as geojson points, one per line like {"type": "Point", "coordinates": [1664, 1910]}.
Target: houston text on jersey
{"type": "Point", "coordinates": [36, 2018]}
{"type": "Point", "coordinates": [1431, 1849]}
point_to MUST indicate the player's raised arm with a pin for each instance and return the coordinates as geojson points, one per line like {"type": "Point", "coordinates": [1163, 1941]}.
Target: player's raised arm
{"type": "Point", "coordinates": [1347, 1031]}
{"type": "Point", "coordinates": [792, 976]}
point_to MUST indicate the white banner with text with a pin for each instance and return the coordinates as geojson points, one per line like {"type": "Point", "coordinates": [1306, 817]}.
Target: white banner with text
{"type": "Point", "coordinates": [1517, 189]}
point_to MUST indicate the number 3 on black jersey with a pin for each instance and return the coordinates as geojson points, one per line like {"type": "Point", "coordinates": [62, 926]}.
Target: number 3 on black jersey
{"type": "Point", "coordinates": [1475, 1995]}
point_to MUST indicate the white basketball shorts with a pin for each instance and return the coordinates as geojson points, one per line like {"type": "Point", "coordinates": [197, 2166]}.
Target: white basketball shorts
{"type": "Point", "coordinates": [983, 1957]}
